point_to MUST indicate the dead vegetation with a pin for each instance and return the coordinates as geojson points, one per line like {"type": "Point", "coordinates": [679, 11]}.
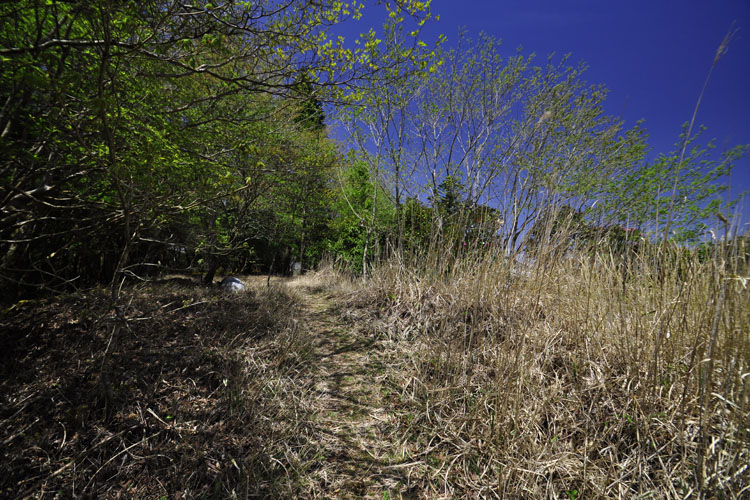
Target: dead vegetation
{"type": "Point", "coordinates": [568, 378]}
{"type": "Point", "coordinates": [196, 399]}
{"type": "Point", "coordinates": [565, 378]}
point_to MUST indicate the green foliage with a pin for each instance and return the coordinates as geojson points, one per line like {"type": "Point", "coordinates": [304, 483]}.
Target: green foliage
{"type": "Point", "coordinates": [527, 140]}
{"type": "Point", "coordinates": [479, 129]}
{"type": "Point", "coordinates": [358, 194]}
{"type": "Point", "coordinates": [311, 115]}
{"type": "Point", "coordinates": [451, 196]}
{"type": "Point", "coordinates": [417, 220]}
{"type": "Point", "coordinates": [138, 136]}
{"type": "Point", "coordinates": [642, 196]}
{"type": "Point", "coordinates": [157, 133]}
{"type": "Point", "coordinates": [571, 494]}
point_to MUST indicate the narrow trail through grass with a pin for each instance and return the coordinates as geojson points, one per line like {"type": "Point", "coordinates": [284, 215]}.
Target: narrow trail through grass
{"type": "Point", "coordinates": [353, 423]}
{"type": "Point", "coordinates": [401, 387]}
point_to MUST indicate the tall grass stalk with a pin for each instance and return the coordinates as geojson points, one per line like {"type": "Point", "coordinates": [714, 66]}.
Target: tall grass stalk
{"type": "Point", "coordinates": [720, 51]}
{"type": "Point", "coordinates": [616, 374]}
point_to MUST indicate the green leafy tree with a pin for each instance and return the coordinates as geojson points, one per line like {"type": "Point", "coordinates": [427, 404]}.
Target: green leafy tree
{"type": "Point", "coordinates": [517, 137]}
{"type": "Point", "coordinates": [418, 223]}
{"type": "Point", "coordinates": [124, 123]}
{"type": "Point", "coordinates": [354, 233]}
{"type": "Point", "coordinates": [643, 196]}
{"type": "Point", "coordinates": [377, 117]}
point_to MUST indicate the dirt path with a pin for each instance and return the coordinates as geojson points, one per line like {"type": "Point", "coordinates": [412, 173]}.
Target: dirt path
{"type": "Point", "coordinates": [354, 421]}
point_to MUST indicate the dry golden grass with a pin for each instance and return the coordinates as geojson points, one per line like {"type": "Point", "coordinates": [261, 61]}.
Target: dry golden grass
{"type": "Point", "coordinates": [438, 376]}
{"type": "Point", "coordinates": [198, 398]}
{"type": "Point", "coordinates": [572, 378]}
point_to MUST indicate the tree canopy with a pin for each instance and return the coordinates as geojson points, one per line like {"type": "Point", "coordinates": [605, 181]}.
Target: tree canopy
{"type": "Point", "coordinates": [134, 130]}
{"type": "Point", "coordinates": [140, 137]}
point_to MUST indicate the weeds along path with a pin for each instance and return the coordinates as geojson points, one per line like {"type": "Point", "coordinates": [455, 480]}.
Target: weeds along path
{"type": "Point", "coordinates": [352, 425]}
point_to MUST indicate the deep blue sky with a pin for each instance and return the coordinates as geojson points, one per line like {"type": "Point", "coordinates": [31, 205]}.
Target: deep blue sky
{"type": "Point", "coordinates": [653, 56]}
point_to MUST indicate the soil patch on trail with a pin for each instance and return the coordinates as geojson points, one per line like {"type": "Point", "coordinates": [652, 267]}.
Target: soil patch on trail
{"type": "Point", "coordinates": [354, 413]}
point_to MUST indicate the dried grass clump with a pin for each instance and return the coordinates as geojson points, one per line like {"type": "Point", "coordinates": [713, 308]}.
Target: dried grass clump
{"type": "Point", "coordinates": [579, 376]}
{"type": "Point", "coordinates": [331, 278]}
{"type": "Point", "coordinates": [194, 398]}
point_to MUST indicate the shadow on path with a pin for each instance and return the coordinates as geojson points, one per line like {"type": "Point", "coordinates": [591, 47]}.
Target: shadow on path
{"type": "Point", "coordinates": [354, 430]}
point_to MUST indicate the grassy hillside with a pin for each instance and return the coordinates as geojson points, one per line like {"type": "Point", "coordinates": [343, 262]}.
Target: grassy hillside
{"type": "Point", "coordinates": [576, 377]}
{"type": "Point", "coordinates": [437, 377]}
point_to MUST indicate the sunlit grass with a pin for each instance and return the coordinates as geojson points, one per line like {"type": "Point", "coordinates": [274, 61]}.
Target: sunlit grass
{"type": "Point", "coordinates": [575, 373]}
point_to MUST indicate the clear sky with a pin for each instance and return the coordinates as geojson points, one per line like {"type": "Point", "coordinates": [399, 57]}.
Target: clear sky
{"type": "Point", "coordinates": [653, 55]}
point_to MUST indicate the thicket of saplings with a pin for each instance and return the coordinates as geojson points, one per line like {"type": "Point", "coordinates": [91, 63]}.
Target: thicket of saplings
{"type": "Point", "coordinates": [593, 370]}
